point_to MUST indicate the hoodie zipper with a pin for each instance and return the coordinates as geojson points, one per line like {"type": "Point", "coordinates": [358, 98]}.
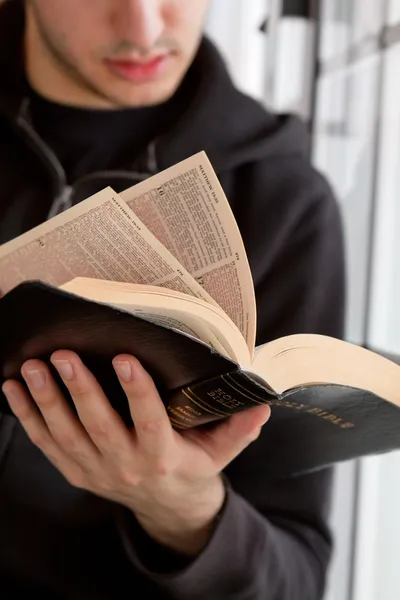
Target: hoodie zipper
{"type": "Point", "coordinates": [64, 200]}
{"type": "Point", "coordinates": [63, 197]}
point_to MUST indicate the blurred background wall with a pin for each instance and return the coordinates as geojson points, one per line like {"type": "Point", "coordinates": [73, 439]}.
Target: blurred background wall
{"type": "Point", "coordinates": [337, 64]}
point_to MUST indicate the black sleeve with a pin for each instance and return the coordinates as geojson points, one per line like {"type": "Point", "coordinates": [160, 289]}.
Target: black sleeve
{"type": "Point", "coordinates": [272, 541]}
{"type": "Point", "coordinates": [259, 551]}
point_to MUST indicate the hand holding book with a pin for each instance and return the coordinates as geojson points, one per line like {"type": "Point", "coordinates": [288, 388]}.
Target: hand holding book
{"type": "Point", "coordinates": [170, 481]}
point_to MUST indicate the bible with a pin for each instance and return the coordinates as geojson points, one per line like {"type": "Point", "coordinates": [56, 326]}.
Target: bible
{"type": "Point", "coordinates": [160, 271]}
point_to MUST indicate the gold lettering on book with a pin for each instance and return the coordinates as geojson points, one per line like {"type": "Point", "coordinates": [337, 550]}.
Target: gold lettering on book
{"type": "Point", "coordinates": [286, 404]}
{"type": "Point", "coordinates": [202, 404]}
{"type": "Point", "coordinates": [314, 410]}
{"type": "Point", "coordinates": [220, 396]}
{"type": "Point", "coordinates": [179, 412]}
{"type": "Point", "coordinates": [192, 410]}
{"type": "Point", "coordinates": [320, 412]}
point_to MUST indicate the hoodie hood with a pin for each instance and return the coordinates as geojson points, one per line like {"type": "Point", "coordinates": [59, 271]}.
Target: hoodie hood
{"type": "Point", "coordinates": [230, 126]}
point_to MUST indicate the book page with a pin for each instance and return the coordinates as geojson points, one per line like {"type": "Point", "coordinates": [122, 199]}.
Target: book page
{"type": "Point", "coordinates": [184, 323]}
{"type": "Point", "coordinates": [187, 210]}
{"type": "Point", "coordinates": [99, 238]}
{"type": "Point", "coordinates": [303, 360]}
{"type": "Point", "coordinates": [169, 308]}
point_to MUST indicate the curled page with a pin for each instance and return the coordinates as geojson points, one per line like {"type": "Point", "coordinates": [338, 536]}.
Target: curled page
{"type": "Point", "coordinates": [186, 209]}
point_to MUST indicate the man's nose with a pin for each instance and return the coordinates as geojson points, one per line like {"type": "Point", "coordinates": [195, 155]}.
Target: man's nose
{"type": "Point", "coordinates": [139, 21]}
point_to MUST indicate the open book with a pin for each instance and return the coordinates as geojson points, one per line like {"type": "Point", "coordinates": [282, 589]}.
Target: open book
{"type": "Point", "coordinates": [160, 271]}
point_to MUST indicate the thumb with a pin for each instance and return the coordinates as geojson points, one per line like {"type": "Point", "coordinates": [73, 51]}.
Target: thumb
{"type": "Point", "coordinates": [230, 438]}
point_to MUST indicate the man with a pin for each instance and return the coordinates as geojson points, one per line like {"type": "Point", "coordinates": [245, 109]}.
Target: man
{"type": "Point", "coordinates": [96, 93]}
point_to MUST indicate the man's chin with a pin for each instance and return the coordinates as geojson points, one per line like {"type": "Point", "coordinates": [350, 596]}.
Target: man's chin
{"type": "Point", "coordinates": [140, 96]}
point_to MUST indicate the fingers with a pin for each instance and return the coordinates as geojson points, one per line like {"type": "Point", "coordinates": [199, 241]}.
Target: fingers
{"type": "Point", "coordinates": [99, 429]}
{"type": "Point", "coordinates": [229, 439]}
{"type": "Point", "coordinates": [35, 427]}
{"type": "Point", "coordinates": [152, 425]}
{"type": "Point", "coordinates": [64, 427]}
{"type": "Point", "coordinates": [101, 423]}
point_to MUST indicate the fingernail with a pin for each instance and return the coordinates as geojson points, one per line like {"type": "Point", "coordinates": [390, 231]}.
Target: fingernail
{"type": "Point", "coordinates": [36, 378]}
{"type": "Point", "coordinates": [65, 369]}
{"type": "Point", "coordinates": [123, 369]}
{"type": "Point", "coordinates": [266, 418]}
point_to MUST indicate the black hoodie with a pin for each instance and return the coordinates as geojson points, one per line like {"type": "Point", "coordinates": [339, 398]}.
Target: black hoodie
{"type": "Point", "coordinates": [272, 541]}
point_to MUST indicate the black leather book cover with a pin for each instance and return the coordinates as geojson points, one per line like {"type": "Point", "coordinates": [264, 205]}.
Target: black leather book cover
{"type": "Point", "coordinates": [37, 319]}
{"type": "Point", "coordinates": [309, 427]}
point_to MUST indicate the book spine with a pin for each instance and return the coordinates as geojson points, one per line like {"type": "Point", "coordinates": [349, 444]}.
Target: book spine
{"type": "Point", "coordinates": [215, 399]}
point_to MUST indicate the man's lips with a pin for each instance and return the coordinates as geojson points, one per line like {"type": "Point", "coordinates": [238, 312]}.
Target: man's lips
{"type": "Point", "coordinates": [137, 71]}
